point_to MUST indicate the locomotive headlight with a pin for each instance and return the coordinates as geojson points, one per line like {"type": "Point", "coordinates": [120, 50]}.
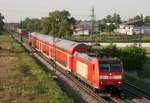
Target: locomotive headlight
{"type": "Point", "coordinates": [117, 77]}
{"type": "Point", "coordinates": [103, 77]}
{"type": "Point", "coordinates": [119, 82]}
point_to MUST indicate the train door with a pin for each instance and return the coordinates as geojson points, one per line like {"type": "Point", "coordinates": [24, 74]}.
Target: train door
{"type": "Point", "coordinates": [69, 62]}
{"type": "Point", "coordinates": [40, 45]}
{"type": "Point", "coordinates": [93, 73]}
{"type": "Point", "coordinates": [53, 51]}
{"type": "Point", "coordinates": [50, 52]}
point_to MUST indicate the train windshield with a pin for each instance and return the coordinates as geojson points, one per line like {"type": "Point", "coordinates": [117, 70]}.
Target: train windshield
{"type": "Point", "coordinates": [105, 67]}
{"type": "Point", "coordinates": [115, 68]}
{"type": "Point", "coordinates": [110, 67]}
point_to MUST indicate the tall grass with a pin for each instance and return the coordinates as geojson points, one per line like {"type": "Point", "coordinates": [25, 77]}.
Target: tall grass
{"type": "Point", "coordinates": [44, 86]}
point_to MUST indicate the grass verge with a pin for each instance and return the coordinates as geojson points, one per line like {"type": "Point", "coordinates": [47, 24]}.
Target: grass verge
{"type": "Point", "coordinates": [22, 80]}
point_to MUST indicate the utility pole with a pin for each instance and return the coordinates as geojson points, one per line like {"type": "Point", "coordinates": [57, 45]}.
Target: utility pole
{"type": "Point", "coordinates": [140, 41]}
{"type": "Point", "coordinates": [93, 19]}
{"type": "Point", "coordinates": [54, 50]}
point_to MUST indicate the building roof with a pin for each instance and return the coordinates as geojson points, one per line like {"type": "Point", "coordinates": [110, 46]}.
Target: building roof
{"type": "Point", "coordinates": [132, 22]}
{"type": "Point", "coordinates": [86, 25]}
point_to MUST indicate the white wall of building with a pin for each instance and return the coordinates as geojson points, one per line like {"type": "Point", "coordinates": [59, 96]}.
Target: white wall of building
{"type": "Point", "coordinates": [125, 29]}
{"type": "Point", "coordinates": [130, 30]}
{"type": "Point", "coordinates": [82, 32]}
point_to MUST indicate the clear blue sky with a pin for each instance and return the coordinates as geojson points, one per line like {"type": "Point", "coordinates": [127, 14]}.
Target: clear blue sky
{"type": "Point", "coordinates": [16, 10]}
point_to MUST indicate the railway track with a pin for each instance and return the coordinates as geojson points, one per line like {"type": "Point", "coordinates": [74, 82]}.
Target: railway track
{"type": "Point", "coordinates": [125, 97]}
{"type": "Point", "coordinates": [142, 95]}
{"type": "Point", "coordinates": [142, 92]}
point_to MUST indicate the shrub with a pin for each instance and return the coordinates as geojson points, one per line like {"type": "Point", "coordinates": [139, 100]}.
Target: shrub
{"type": "Point", "coordinates": [133, 58]}
{"type": "Point", "coordinates": [25, 69]}
{"type": "Point", "coordinates": [112, 50]}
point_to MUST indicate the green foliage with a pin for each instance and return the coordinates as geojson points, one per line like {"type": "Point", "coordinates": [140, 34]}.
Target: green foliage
{"type": "Point", "coordinates": [101, 26]}
{"type": "Point", "coordinates": [133, 58]}
{"type": "Point", "coordinates": [46, 85]}
{"type": "Point", "coordinates": [24, 68]}
{"type": "Point", "coordinates": [17, 47]}
{"type": "Point", "coordinates": [46, 27]}
{"type": "Point", "coordinates": [31, 24]}
{"type": "Point", "coordinates": [58, 23]}
{"type": "Point", "coordinates": [116, 18]}
{"type": "Point", "coordinates": [112, 50]}
{"type": "Point", "coordinates": [147, 21]}
{"type": "Point", "coordinates": [1, 22]}
{"type": "Point", "coordinates": [43, 83]}
{"type": "Point", "coordinates": [135, 18]}
{"type": "Point", "coordinates": [109, 23]}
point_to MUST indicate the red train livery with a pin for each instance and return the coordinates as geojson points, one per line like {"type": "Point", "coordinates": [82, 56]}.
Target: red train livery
{"type": "Point", "coordinates": [73, 57]}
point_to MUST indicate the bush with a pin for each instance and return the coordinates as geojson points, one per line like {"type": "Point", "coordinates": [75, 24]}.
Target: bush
{"type": "Point", "coordinates": [112, 50]}
{"type": "Point", "coordinates": [133, 58]}
{"type": "Point", "coordinates": [25, 69]}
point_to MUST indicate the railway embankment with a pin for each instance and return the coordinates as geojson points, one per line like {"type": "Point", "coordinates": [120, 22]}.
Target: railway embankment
{"type": "Point", "coordinates": [23, 80]}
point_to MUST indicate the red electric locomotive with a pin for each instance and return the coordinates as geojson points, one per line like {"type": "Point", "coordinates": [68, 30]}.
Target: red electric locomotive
{"type": "Point", "coordinates": [97, 72]}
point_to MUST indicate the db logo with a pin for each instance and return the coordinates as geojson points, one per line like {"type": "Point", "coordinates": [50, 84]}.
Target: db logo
{"type": "Point", "coordinates": [110, 77]}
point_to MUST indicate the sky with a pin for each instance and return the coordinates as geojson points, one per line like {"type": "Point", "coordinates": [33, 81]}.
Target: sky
{"type": "Point", "coordinates": [17, 10]}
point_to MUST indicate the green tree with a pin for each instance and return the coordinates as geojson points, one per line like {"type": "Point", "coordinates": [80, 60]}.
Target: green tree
{"type": "Point", "coordinates": [147, 21]}
{"type": "Point", "coordinates": [116, 18]}
{"type": "Point", "coordinates": [64, 29]}
{"type": "Point", "coordinates": [58, 23]}
{"type": "Point", "coordinates": [112, 27]}
{"type": "Point", "coordinates": [109, 19]}
{"type": "Point", "coordinates": [135, 18]}
{"type": "Point", "coordinates": [101, 26]}
{"type": "Point", "coordinates": [1, 22]}
{"type": "Point", "coordinates": [46, 27]}
{"type": "Point", "coordinates": [31, 24]}
{"type": "Point", "coordinates": [23, 23]}
{"type": "Point", "coordinates": [113, 22]}
{"type": "Point", "coordinates": [133, 58]}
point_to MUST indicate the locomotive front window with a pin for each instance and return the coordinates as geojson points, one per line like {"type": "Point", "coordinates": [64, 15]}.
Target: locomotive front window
{"type": "Point", "coordinates": [110, 67]}
{"type": "Point", "coordinates": [104, 67]}
{"type": "Point", "coordinates": [115, 68]}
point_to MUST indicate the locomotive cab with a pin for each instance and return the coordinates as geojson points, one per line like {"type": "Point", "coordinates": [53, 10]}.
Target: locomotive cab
{"type": "Point", "coordinates": [111, 73]}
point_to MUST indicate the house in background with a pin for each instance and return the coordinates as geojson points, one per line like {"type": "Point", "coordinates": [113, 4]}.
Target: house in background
{"type": "Point", "coordinates": [133, 27]}
{"type": "Point", "coordinates": [83, 28]}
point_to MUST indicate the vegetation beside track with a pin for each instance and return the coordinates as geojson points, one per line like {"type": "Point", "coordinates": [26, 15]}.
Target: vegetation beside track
{"type": "Point", "coordinates": [23, 80]}
{"type": "Point", "coordinates": [111, 37]}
